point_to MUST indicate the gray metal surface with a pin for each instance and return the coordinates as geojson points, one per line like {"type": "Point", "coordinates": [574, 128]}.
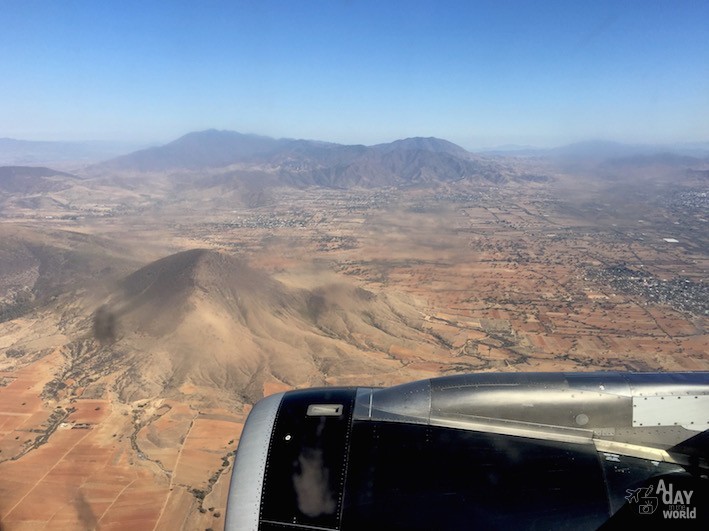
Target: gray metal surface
{"type": "Point", "coordinates": [689, 411]}
{"type": "Point", "coordinates": [405, 403]}
{"type": "Point", "coordinates": [614, 411]}
{"type": "Point", "coordinates": [244, 501]}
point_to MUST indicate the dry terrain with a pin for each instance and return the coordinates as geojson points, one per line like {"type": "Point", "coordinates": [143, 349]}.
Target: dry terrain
{"type": "Point", "coordinates": [129, 359]}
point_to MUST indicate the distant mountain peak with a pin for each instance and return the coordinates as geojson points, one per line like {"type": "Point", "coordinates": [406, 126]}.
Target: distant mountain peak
{"type": "Point", "coordinates": [201, 149]}
{"type": "Point", "coordinates": [433, 144]}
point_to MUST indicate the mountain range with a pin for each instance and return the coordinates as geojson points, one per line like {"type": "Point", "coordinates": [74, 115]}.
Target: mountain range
{"type": "Point", "coordinates": [410, 161]}
{"type": "Point", "coordinates": [231, 161]}
{"type": "Point", "coordinates": [308, 162]}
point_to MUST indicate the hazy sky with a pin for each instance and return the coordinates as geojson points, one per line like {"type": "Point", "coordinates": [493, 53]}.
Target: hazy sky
{"type": "Point", "coordinates": [357, 71]}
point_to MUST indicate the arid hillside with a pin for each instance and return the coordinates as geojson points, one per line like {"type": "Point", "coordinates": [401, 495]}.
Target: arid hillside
{"type": "Point", "coordinates": [204, 320]}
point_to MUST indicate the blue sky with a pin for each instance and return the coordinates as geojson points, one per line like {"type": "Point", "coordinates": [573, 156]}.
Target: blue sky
{"type": "Point", "coordinates": [357, 71]}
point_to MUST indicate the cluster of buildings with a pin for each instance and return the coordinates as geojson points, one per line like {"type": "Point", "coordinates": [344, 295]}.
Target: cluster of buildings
{"type": "Point", "coordinates": [680, 293]}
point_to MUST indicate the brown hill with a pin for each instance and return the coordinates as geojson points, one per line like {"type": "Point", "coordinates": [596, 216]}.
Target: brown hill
{"type": "Point", "coordinates": [32, 179]}
{"type": "Point", "coordinates": [204, 323]}
{"type": "Point", "coordinates": [37, 266]}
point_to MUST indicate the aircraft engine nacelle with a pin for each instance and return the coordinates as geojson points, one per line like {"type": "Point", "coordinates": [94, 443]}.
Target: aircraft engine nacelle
{"type": "Point", "coordinates": [487, 451]}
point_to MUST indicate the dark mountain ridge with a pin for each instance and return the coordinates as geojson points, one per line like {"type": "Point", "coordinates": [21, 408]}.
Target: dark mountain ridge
{"type": "Point", "coordinates": [32, 179]}
{"type": "Point", "coordinates": [432, 144]}
{"type": "Point", "coordinates": [204, 149]}
{"type": "Point", "coordinates": [309, 162]}
{"type": "Point", "coordinates": [199, 160]}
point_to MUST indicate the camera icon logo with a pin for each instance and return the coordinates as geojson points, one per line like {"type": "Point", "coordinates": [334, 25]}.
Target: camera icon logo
{"type": "Point", "coordinates": [647, 504]}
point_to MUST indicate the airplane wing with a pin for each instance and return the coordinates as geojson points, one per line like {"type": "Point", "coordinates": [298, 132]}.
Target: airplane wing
{"type": "Point", "coordinates": [487, 451]}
